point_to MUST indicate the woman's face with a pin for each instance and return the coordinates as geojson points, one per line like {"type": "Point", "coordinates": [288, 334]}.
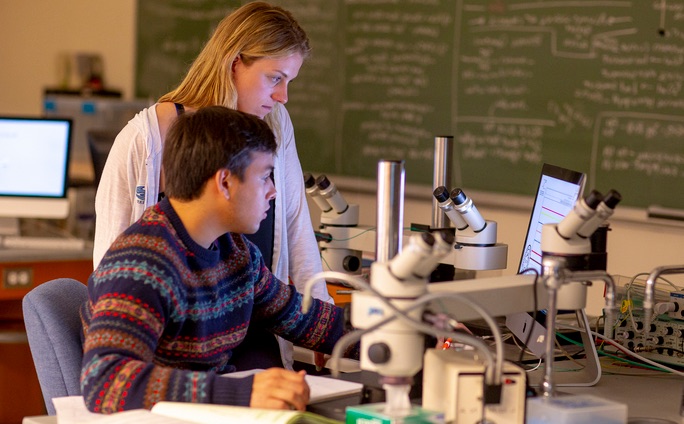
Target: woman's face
{"type": "Point", "coordinates": [264, 83]}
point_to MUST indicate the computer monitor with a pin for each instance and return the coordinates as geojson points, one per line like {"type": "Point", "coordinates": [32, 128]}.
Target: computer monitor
{"type": "Point", "coordinates": [557, 192]}
{"type": "Point", "coordinates": [33, 169]}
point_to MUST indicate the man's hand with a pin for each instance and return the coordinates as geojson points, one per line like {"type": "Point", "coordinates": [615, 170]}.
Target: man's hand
{"type": "Point", "coordinates": [278, 388]}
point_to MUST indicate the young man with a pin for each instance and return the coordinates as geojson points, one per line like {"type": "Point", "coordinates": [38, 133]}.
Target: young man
{"type": "Point", "coordinates": [176, 292]}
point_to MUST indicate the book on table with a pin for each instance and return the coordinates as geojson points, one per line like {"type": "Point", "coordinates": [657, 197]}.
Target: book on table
{"type": "Point", "coordinates": [209, 414]}
{"type": "Point", "coordinates": [72, 409]}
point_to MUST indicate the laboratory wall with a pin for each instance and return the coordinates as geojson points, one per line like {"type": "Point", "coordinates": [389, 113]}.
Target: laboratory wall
{"type": "Point", "coordinates": [35, 35]}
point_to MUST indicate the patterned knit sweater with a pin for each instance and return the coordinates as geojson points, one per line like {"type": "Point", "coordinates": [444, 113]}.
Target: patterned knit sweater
{"type": "Point", "coordinates": [164, 315]}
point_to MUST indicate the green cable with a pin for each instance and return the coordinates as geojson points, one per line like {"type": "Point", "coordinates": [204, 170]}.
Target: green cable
{"type": "Point", "coordinates": [416, 229]}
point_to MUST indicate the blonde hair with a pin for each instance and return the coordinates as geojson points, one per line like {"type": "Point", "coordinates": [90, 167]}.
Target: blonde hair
{"type": "Point", "coordinates": [254, 31]}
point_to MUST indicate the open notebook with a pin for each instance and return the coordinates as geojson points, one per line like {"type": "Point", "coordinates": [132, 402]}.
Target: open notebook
{"type": "Point", "coordinates": [72, 409]}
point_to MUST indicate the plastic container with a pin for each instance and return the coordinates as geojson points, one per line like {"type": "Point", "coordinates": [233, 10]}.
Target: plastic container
{"type": "Point", "coordinates": [575, 409]}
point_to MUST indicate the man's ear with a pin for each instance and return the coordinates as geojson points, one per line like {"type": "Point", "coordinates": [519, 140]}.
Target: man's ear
{"type": "Point", "coordinates": [222, 181]}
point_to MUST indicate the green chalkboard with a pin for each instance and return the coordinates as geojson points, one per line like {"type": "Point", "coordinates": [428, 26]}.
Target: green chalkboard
{"type": "Point", "coordinates": [595, 86]}
{"type": "Point", "coordinates": [170, 33]}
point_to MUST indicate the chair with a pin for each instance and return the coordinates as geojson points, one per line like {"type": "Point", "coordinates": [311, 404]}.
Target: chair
{"type": "Point", "coordinates": [53, 327]}
{"type": "Point", "coordinates": [100, 142]}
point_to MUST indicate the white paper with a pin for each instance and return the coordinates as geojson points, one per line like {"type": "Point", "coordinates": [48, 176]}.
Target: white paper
{"type": "Point", "coordinates": [207, 413]}
{"type": "Point", "coordinates": [326, 388]}
{"type": "Point", "coordinates": [72, 410]}
{"type": "Point", "coordinates": [321, 388]}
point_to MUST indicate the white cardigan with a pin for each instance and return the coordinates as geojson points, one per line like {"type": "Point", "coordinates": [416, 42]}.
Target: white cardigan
{"type": "Point", "coordinates": [130, 184]}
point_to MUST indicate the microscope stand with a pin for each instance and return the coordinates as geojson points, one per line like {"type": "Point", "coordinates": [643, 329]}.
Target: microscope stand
{"type": "Point", "coordinates": [585, 377]}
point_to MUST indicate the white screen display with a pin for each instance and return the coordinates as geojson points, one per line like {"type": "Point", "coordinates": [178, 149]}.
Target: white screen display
{"type": "Point", "coordinates": [35, 157]}
{"type": "Point", "coordinates": [555, 199]}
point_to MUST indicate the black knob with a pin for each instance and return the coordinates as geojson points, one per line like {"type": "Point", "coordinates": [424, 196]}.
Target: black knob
{"type": "Point", "coordinates": [379, 353]}
{"type": "Point", "coordinates": [351, 263]}
{"type": "Point", "coordinates": [447, 236]}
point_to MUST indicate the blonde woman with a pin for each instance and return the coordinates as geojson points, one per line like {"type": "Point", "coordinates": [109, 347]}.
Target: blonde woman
{"type": "Point", "coordinates": [246, 65]}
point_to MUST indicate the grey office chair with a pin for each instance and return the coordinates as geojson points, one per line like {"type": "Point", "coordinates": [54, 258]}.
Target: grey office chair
{"type": "Point", "coordinates": [100, 142]}
{"type": "Point", "coordinates": [53, 327]}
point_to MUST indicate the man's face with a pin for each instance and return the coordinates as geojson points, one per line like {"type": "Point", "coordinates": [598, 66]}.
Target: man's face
{"type": "Point", "coordinates": [250, 197]}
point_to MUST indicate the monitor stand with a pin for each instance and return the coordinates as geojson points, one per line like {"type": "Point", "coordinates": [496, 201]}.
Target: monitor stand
{"type": "Point", "coordinates": [585, 377]}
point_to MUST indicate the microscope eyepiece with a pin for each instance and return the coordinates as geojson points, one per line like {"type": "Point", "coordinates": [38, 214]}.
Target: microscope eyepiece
{"type": "Point", "coordinates": [322, 182]}
{"type": "Point", "coordinates": [309, 180]}
{"type": "Point", "coordinates": [441, 194]}
{"type": "Point", "coordinates": [458, 196]}
{"type": "Point", "coordinates": [580, 214]}
{"type": "Point", "coordinates": [465, 206]}
{"type": "Point", "coordinates": [612, 199]}
{"type": "Point", "coordinates": [603, 211]}
{"type": "Point", "coordinates": [315, 193]}
{"type": "Point", "coordinates": [330, 193]}
{"type": "Point", "coordinates": [447, 206]}
{"type": "Point", "coordinates": [414, 257]}
{"type": "Point", "coordinates": [593, 199]}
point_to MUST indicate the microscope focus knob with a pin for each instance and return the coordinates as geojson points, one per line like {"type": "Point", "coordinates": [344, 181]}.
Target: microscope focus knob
{"type": "Point", "coordinates": [351, 263]}
{"type": "Point", "coordinates": [379, 353]}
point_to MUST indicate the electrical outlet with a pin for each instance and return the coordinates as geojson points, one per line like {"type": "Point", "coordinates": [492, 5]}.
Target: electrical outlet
{"type": "Point", "coordinates": [17, 278]}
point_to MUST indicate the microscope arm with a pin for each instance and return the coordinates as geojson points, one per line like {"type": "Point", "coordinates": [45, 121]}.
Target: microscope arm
{"type": "Point", "coordinates": [495, 362]}
{"type": "Point", "coordinates": [499, 296]}
{"type": "Point", "coordinates": [493, 371]}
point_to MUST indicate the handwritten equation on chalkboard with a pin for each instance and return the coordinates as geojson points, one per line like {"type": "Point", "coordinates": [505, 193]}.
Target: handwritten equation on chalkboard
{"type": "Point", "coordinates": [595, 86]}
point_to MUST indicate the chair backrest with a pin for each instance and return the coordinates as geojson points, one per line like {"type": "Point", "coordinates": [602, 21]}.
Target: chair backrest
{"type": "Point", "coordinates": [55, 334]}
{"type": "Point", "coordinates": [100, 142]}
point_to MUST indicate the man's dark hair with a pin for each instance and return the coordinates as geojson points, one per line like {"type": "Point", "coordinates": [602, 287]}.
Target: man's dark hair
{"type": "Point", "coordinates": [201, 143]}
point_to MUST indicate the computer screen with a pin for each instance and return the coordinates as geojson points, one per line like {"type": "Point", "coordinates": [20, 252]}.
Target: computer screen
{"type": "Point", "coordinates": [33, 169]}
{"type": "Point", "coordinates": [557, 192]}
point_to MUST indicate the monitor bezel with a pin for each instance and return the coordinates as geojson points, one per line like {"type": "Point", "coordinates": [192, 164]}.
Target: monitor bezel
{"type": "Point", "coordinates": [530, 328]}
{"type": "Point", "coordinates": [40, 205]}
{"type": "Point", "coordinates": [559, 173]}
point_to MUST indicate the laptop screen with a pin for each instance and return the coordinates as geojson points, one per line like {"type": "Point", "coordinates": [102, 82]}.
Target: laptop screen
{"type": "Point", "coordinates": [557, 192]}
